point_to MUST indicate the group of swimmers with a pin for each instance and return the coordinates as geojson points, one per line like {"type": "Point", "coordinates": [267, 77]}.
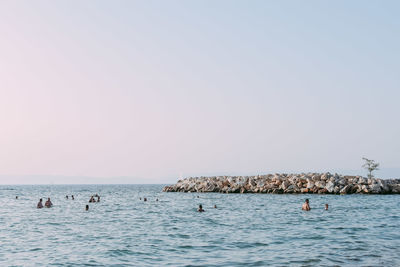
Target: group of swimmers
{"type": "Point", "coordinates": [145, 199]}
{"type": "Point", "coordinates": [306, 205]}
{"type": "Point", "coordinates": [200, 209]}
{"type": "Point", "coordinates": [48, 203]}
{"type": "Point", "coordinates": [92, 200]}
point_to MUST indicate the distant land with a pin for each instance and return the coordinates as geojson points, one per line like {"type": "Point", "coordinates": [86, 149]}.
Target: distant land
{"type": "Point", "coordinates": [384, 173]}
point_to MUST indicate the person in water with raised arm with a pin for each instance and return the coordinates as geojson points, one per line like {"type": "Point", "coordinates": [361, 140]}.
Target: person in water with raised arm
{"type": "Point", "coordinates": [92, 200]}
{"type": "Point", "coordinates": [306, 205]}
{"type": "Point", "coordinates": [40, 204]}
{"type": "Point", "coordinates": [48, 203]}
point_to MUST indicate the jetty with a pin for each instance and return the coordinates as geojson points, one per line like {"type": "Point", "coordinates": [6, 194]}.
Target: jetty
{"type": "Point", "coordinates": [304, 183]}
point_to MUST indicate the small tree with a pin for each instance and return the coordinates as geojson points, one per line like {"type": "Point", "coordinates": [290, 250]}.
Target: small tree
{"type": "Point", "coordinates": [371, 166]}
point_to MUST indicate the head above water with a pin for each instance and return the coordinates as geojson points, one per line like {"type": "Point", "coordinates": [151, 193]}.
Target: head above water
{"type": "Point", "coordinates": [326, 206]}
{"type": "Point", "coordinates": [200, 209]}
{"type": "Point", "coordinates": [87, 207]}
{"type": "Point", "coordinates": [307, 201]}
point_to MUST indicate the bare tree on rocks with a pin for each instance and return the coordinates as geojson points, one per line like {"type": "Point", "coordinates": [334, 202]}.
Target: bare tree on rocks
{"type": "Point", "coordinates": [371, 166]}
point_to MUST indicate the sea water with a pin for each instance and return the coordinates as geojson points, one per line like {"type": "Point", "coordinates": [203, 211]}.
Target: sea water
{"type": "Point", "coordinates": [244, 229]}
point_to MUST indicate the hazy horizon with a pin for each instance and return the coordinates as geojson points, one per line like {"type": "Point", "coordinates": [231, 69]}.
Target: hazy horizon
{"type": "Point", "coordinates": [156, 90]}
{"type": "Point", "coordinates": [61, 179]}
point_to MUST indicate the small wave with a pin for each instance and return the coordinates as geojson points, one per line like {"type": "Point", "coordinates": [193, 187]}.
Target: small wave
{"type": "Point", "coordinates": [35, 249]}
{"type": "Point", "coordinates": [120, 252]}
{"type": "Point", "coordinates": [249, 244]}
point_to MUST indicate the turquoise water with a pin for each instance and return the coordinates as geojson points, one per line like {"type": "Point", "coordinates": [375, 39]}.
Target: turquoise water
{"type": "Point", "coordinates": [244, 230]}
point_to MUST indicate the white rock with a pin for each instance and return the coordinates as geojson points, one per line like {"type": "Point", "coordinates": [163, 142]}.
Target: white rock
{"type": "Point", "coordinates": [336, 189]}
{"type": "Point", "coordinates": [320, 184]}
{"type": "Point", "coordinates": [284, 185]}
{"type": "Point", "coordinates": [330, 186]}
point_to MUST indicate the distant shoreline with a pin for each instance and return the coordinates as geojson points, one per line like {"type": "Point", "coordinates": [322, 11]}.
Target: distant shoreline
{"type": "Point", "coordinates": [163, 184]}
{"type": "Point", "coordinates": [304, 183]}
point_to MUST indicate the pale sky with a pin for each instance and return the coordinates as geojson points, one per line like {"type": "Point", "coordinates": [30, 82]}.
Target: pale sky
{"type": "Point", "coordinates": [154, 90]}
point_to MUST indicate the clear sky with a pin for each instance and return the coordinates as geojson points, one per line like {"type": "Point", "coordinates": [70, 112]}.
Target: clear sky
{"type": "Point", "coordinates": [155, 90]}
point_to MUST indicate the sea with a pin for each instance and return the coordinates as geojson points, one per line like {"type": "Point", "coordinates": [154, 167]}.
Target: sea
{"type": "Point", "coordinates": [243, 230]}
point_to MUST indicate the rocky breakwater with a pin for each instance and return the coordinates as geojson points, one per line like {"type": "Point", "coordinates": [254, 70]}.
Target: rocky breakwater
{"type": "Point", "coordinates": [305, 183]}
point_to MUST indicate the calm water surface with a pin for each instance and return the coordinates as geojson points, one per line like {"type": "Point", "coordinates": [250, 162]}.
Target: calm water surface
{"type": "Point", "coordinates": [245, 230]}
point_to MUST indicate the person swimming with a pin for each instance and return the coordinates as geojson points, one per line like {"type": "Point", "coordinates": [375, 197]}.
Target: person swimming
{"type": "Point", "coordinates": [98, 198]}
{"type": "Point", "coordinates": [87, 207]}
{"type": "Point", "coordinates": [16, 197]}
{"type": "Point", "coordinates": [306, 205]}
{"type": "Point", "coordinates": [92, 200]}
{"type": "Point", "coordinates": [200, 209]}
{"type": "Point", "coordinates": [40, 204]}
{"type": "Point", "coordinates": [326, 206]}
{"type": "Point", "coordinates": [48, 203]}
{"type": "Point", "coordinates": [157, 199]}
{"type": "Point", "coordinates": [215, 206]}
{"type": "Point", "coordinates": [144, 199]}
{"type": "Point", "coordinates": [66, 196]}
{"type": "Point", "coordinates": [72, 197]}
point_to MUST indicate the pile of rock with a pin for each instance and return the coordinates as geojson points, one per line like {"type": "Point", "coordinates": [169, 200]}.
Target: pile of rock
{"type": "Point", "coordinates": [312, 183]}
